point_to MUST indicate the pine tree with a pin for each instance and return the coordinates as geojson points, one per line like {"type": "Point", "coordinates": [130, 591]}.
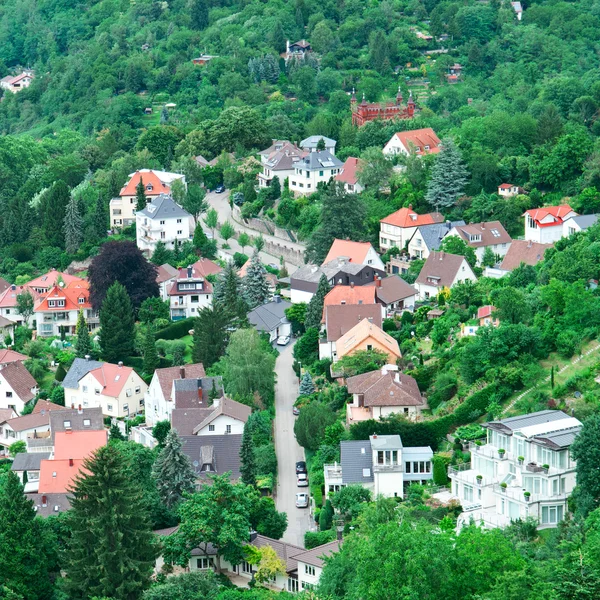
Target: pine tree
{"type": "Point", "coordinates": [161, 255]}
{"type": "Point", "coordinates": [379, 52]}
{"type": "Point", "coordinates": [228, 292]}
{"type": "Point", "coordinates": [275, 188]}
{"type": "Point", "coordinates": [101, 219]}
{"type": "Point", "coordinates": [277, 38]}
{"type": "Point", "coordinates": [314, 310]}
{"type": "Point", "coordinates": [114, 434]}
{"type": "Point", "coordinates": [83, 344]}
{"type": "Point", "coordinates": [248, 463]}
{"type": "Point", "coordinates": [111, 550]}
{"type": "Point", "coordinates": [54, 206]}
{"type": "Point", "coordinates": [256, 286]}
{"type": "Point", "coordinates": [321, 144]}
{"type": "Point", "coordinates": [73, 226]}
{"type": "Point", "coordinates": [173, 472]}
{"type": "Point", "coordinates": [211, 333]}
{"type": "Point", "coordinates": [199, 14]}
{"type": "Point", "coordinates": [140, 195]}
{"type": "Point", "coordinates": [306, 385]}
{"type": "Point", "coordinates": [164, 116]}
{"type": "Point", "coordinates": [326, 517]}
{"type": "Point", "coordinates": [150, 353]}
{"type": "Point", "coordinates": [448, 177]}
{"type": "Point", "coordinates": [116, 324]}
{"type": "Point", "coordinates": [213, 394]}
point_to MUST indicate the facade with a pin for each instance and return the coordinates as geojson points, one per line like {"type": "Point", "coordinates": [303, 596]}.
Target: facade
{"type": "Point", "coordinates": [270, 318]}
{"type": "Point", "coordinates": [17, 83]}
{"type": "Point", "coordinates": [574, 225]}
{"type": "Point", "coordinates": [522, 470]}
{"type": "Point", "coordinates": [518, 8]}
{"type": "Point", "coordinates": [279, 160]}
{"type": "Point", "coordinates": [311, 143]}
{"type": "Point", "coordinates": [296, 49]}
{"type": "Point", "coordinates": [190, 292]}
{"type": "Point", "coordinates": [27, 467]}
{"type": "Point", "coordinates": [165, 276]}
{"type": "Point", "coordinates": [440, 271]}
{"type": "Point", "coordinates": [545, 225]}
{"type": "Point", "coordinates": [417, 141]}
{"type": "Point", "coordinates": [348, 176]}
{"type": "Point", "coordinates": [480, 236]}
{"type": "Point", "coordinates": [8, 302]}
{"type": "Point", "coordinates": [314, 168]}
{"type": "Point", "coordinates": [367, 336]}
{"type": "Point", "coordinates": [360, 253]}
{"type": "Point", "coordinates": [428, 238]}
{"type": "Point", "coordinates": [203, 59]}
{"type": "Point", "coordinates": [17, 386]}
{"type": "Point", "coordinates": [162, 221]}
{"type": "Point", "coordinates": [485, 316]}
{"type": "Point", "coordinates": [397, 229]}
{"type": "Point", "coordinates": [523, 252]}
{"type": "Point", "coordinates": [33, 428]}
{"type": "Point", "coordinates": [508, 190]}
{"type": "Point", "coordinates": [394, 294]}
{"type": "Point", "coordinates": [364, 112]}
{"type": "Point", "coordinates": [311, 563]}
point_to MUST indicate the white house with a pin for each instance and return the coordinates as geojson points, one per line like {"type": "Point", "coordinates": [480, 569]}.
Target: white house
{"type": "Point", "coordinates": [359, 253]}
{"type": "Point", "coordinates": [508, 190]}
{"type": "Point", "coordinates": [394, 294]}
{"type": "Point", "coordinates": [270, 318]}
{"type": "Point", "coordinates": [17, 386]}
{"type": "Point", "coordinates": [17, 83]}
{"type": "Point", "coordinates": [349, 176]}
{"type": "Point", "coordinates": [523, 469]}
{"type": "Point", "coordinates": [311, 143]}
{"type": "Point", "coordinates": [165, 276]}
{"type": "Point", "coordinates": [397, 229]}
{"type": "Point", "coordinates": [417, 141]}
{"type": "Point", "coordinates": [480, 236]}
{"type": "Point", "coordinates": [545, 225]}
{"type": "Point", "coordinates": [428, 238]}
{"type": "Point", "coordinates": [190, 292]}
{"type": "Point", "coordinates": [574, 225]}
{"type": "Point", "coordinates": [163, 220]}
{"type": "Point", "coordinates": [311, 563]}
{"type": "Point", "coordinates": [314, 168]}
{"type": "Point", "coordinates": [440, 271]}
{"type": "Point", "coordinates": [278, 160]}
{"type": "Point", "coordinates": [518, 8]}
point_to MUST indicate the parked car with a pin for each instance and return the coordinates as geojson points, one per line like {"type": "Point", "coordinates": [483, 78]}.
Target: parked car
{"type": "Point", "coordinates": [219, 189]}
{"type": "Point", "coordinates": [302, 479]}
{"type": "Point", "coordinates": [273, 266]}
{"type": "Point", "coordinates": [283, 340]}
{"type": "Point", "coordinates": [302, 500]}
{"type": "Point", "coordinates": [295, 411]}
{"type": "Point", "coordinates": [301, 467]}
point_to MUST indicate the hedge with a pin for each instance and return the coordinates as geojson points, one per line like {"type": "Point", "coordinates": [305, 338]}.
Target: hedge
{"type": "Point", "coordinates": [175, 331]}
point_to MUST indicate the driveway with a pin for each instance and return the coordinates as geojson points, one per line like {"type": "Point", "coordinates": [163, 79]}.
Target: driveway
{"type": "Point", "coordinates": [288, 450]}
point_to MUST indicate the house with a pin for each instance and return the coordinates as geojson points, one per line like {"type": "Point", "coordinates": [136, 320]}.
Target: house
{"type": "Point", "coordinates": [9, 305]}
{"type": "Point", "coordinates": [190, 292]}
{"type": "Point", "coordinates": [279, 160]}
{"type": "Point", "coordinates": [518, 10]}
{"type": "Point", "coordinates": [398, 228]}
{"type": "Point", "coordinates": [311, 563]}
{"type": "Point", "coordinates": [545, 225]}
{"type": "Point", "coordinates": [360, 253]}
{"type": "Point", "coordinates": [428, 238]}
{"type": "Point", "coordinates": [394, 294]}
{"type": "Point", "coordinates": [523, 470]}
{"type": "Point", "coordinates": [341, 318]}
{"type": "Point", "coordinates": [214, 454]}
{"type": "Point", "coordinates": [480, 236]}
{"type": "Point", "coordinates": [4, 285]}
{"type": "Point", "coordinates": [485, 316]}
{"type": "Point", "coordinates": [311, 143]}
{"type": "Point", "coordinates": [17, 83]}
{"type": "Point", "coordinates": [340, 271]}
{"type": "Point", "coordinates": [17, 386]}
{"type": "Point", "coordinates": [367, 336]}
{"type": "Point", "coordinates": [574, 225]}
{"type": "Point", "coordinates": [416, 141]}
{"type": "Point", "coordinates": [77, 419]}
{"type": "Point", "coordinates": [348, 176]}
{"type": "Point", "coordinates": [380, 111]}
{"type": "Point", "coordinates": [7, 328]}
{"type": "Point", "coordinates": [442, 271]}
{"type": "Point", "coordinates": [163, 220]}
{"type": "Point", "coordinates": [122, 208]}
{"type": "Point", "coordinates": [118, 390]}
{"type": "Point", "coordinates": [381, 393]}
{"type": "Point", "coordinates": [270, 318]}
{"type": "Point", "coordinates": [522, 252]}
{"type": "Point", "coordinates": [53, 278]}
{"type": "Point", "coordinates": [508, 190]}
{"type": "Point", "coordinates": [381, 464]}
{"type": "Point", "coordinates": [58, 309]}
{"type": "Point", "coordinates": [454, 73]}
{"type": "Point", "coordinates": [223, 417]}
{"type": "Point", "coordinates": [300, 47]}
{"type": "Point", "coordinates": [314, 168]}
{"type": "Point", "coordinates": [349, 294]}
{"type": "Point", "coordinates": [27, 465]}
{"type": "Point", "coordinates": [165, 276]}
{"type": "Point", "coordinates": [10, 356]}
{"type": "Point", "coordinates": [203, 59]}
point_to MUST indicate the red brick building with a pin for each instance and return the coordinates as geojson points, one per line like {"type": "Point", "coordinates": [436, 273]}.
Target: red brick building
{"type": "Point", "coordinates": [364, 112]}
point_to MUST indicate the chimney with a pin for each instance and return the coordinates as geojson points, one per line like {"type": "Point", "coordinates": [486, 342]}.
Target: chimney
{"type": "Point", "coordinates": [13, 287]}
{"type": "Point", "coordinates": [72, 406]}
{"type": "Point", "coordinates": [44, 500]}
{"type": "Point", "coordinates": [189, 271]}
{"type": "Point", "coordinates": [483, 226]}
{"type": "Point", "coordinates": [120, 364]}
{"type": "Point", "coordinates": [182, 372]}
{"type": "Point", "coordinates": [449, 225]}
{"type": "Point", "coordinates": [277, 298]}
{"type": "Point", "coordinates": [410, 207]}
{"type": "Point", "coordinates": [71, 463]}
{"type": "Point", "coordinates": [378, 280]}
{"type": "Point", "coordinates": [397, 378]}
{"type": "Point", "coordinates": [79, 410]}
{"type": "Point", "coordinates": [87, 357]}
{"type": "Point", "coordinates": [352, 285]}
{"type": "Point", "coordinates": [374, 436]}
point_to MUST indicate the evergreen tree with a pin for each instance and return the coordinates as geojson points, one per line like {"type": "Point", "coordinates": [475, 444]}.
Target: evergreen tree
{"type": "Point", "coordinates": [248, 463]}
{"type": "Point", "coordinates": [314, 310]}
{"type": "Point", "coordinates": [73, 225]}
{"type": "Point", "coordinates": [114, 434]}
{"type": "Point", "coordinates": [140, 195]}
{"type": "Point", "coordinates": [199, 14]}
{"type": "Point", "coordinates": [228, 292]}
{"type": "Point", "coordinates": [101, 218]}
{"type": "Point", "coordinates": [306, 385]}
{"type": "Point", "coordinates": [275, 188]}
{"type": "Point", "coordinates": [116, 324]}
{"type": "Point", "coordinates": [111, 550]}
{"type": "Point", "coordinates": [256, 286]}
{"type": "Point", "coordinates": [448, 177]}
{"type": "Point", "coordinates": [150, 352]}
{"type": "Point", "coordinates": [326, 517]}
{"type": "Point", "coordinates": [321, 144]}
{"type": "Point", "coordinates": [173, 472]}
{"type": "Point", "coordinates": [83, 344]}
{"type": "Point", "coordinates": [54, 207]}
{"type": "Point", "coordinates": [277, 38]}
{"type": "Point", "coordinates": [380, 52]}
{"type": "Point", "coordinates": [161, 255]}
{"type": "Point", "coordinates": [213, 394]}
{"type": "Point", "coordinates": [164, 116]}
{"type": "Point", "coordinates": [211, 333]}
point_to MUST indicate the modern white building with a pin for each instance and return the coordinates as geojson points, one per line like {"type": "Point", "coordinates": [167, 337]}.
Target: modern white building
{"type": "Point", "coordinates": [163, 220]}
{"type": "Point", "coordinates": [574, 225]}
{"type": "Point", "coordinates": [523, 469]}
{"type": "Point", "coordinates": [311, 143]}
{"type": "Point", "coordinates": [314, 168]}
{"type": "Point", "coordinates": [545, 225]}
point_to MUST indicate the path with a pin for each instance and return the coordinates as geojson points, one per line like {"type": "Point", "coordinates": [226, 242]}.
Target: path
{"type": "Point", "coordinates": [288, 451]}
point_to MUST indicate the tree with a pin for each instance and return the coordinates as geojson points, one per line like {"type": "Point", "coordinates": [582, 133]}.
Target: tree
{"type": "Point", "coordinates": [186, 586]}
{"type": "Point", "coordinates": [306, 385]}
{"type": "Point", "coordinates": [275, 188]}
{"type": "Point", "coordinates": [160, 432]}
{"type": "Point", "coordinates": [362, 361]}
{"type": "Point", "coordinates": [25, 545]}
{"type": "Point", "coordinates": [379, 56]}
{"type": "Point", "coordinates": [161, 255]}
{"type": "Point", "coordinates": [374, 169]}
{"type": "Point", "coordinates": [140, 195]}
{"type": "Point", "coordinates": [149, 352]}
{"type": "Point", "coordinates": [243, 240]}
{"type": "Point", "coordinates": [255, 284]}
{"type": "Point", "coordinates": [314, 310]}
{"type": "Point", "coordinates": [117, 330]}
{"type": "Point", "coordinates": [586, 452]}
{"type": "Point", "coordinates": [115, 434]}
{"type": "Point", "coordinates": [212, 220]}
{"type": "Point", "coordinates": [73, 225]}
{"type": "Point", "coordinates": [306, 349]}
{"type": "Point", "coordinates": [199, 14]}
{"type": "Point", "coordinates": [125, 263]}
{"type": "Point", "coordinates": [296, 315]}
{"type": "Point", "coordinates": [489, 258]}
{"type": "Point", "coordinates": [227, 231]}
{"type": "Point", "coordinates": [111, 550]}
{"type": "Point", "coordinates": [173, 472]}
{"type": "Point", "coordinates": [228, 292]}
{"type": "Point", "coordinates": [452, 244]}
{"type": "Point", "coordinates": [17, 447]}
{"type": "Point", "coordinates": [248, 464]}
{"type": "Point", "coordinates": [448, 177]}
{"type": "Point", "coordinates": [153, 309]}
{"type": "Point", "coordinates": [269, 565]}
{"type": "Point", "coordinates": [25, 305]}
{"type": "Point", "coordinates": [351, 500]}
{"type": "Point", "coordinates": [100, 222]}
{"type": "Point", "coordinates": [194, 202]}
{"type": "Point", "coordinates": [310, 425]}
{"type": "Point", "coordinates": [211, 333]}
{"type": "Point", "coordinates": [160, 141]}
{"type": "Point", "coordinates": [326, 516]}
{"type": "Point", "coordinates": [53, 209]}
{"type": "Point", "coordinates": [511, 305]}
{"type": "Point", "coordinates": [83, 344]}
{"type": "Point", "coordinates": [259, 243]}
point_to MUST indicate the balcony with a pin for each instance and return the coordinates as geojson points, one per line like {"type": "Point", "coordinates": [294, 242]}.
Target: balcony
{"type": "Point", "coordinates": [333, 473]}
{"type": "Point", "coordinates": [489, 451]}
{"type": "Point", "coordinates": [388, 469]}
{"type": "Point", "coordinates": [518, 494]}
{"type": "Point", "coordinates": [465, 474]}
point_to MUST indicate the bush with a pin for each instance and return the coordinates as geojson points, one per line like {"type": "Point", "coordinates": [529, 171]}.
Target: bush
{"type": "Point", "coordinates": [265, 459]}
{"type": "Point", "coordinates": [176, 330]}
{"type": "Point", "coordinates": [440, 474]}
{"type": "Point", "coordinates": [312, 539]}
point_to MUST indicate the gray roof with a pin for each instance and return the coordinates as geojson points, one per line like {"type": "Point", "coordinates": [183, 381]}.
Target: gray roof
{"type": "Point", "coordinates": [434, 234]}
{"type": "Point", "coordinates": [163, 207]}
{"type": "Point", "coordinates": [186, 391]}
{"type": "Point", "coordinates": [29, 461]}
{"type": "Point", "coordinates": [77, 418]}
{"type": "Point", "coordinates": [585, 221]}
{"type": "Point", "coordinates": [184, 420]}
{"type": "Point", "coordinates": [46, 505]}
{"type": "Point", "coordinates": [269, 316]}
{"type": "Point", "coordinates": [313, 273]}
{"type": "Point", "coordinates": [315, 556]}
{"type": "Point", "coordinates": [558, 439]}
{"type": "Point", "coordinates": [516, 423]}
{"type": "Point", "coordinates": [79, 368]}
{"type": "Point", "coordinates": [315, 161]}
{"type": "Point", "coordinates": [312, 141]}
{"type": "Point", "coordinates": [385, 442]}
{"type": "Point", "coordinates": [225, 452]}
{"type": "Point", "coordinates": [418, 452]}
{"type": "Point", "coordinates": [355, 457]}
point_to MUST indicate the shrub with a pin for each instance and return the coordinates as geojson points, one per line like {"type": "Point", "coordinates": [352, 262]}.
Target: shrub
{"type": "Point", "coordinates": [176, 330]}
{"type": "Point", "coordinates": [312, 539]}
{"type": "Point", "coordinates": [440, 475]}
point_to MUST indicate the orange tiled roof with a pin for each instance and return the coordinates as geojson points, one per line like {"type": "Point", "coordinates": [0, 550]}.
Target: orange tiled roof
{"type": "Point", "coordinates": [56, 476]}
{"type": "Point", "coordinates": [50, 279]}
{"type": "Point", "coordinates": [347, 294]}
{"type": "Point", "coordinates": [148, 177]}
{"type": "Point", "coordinates": [78, 444]}
{"type": "Point", "coordinates": [8, 298]}
{"type": "Point", "coordinates": [72, 294]}
{"type": "Point", "coordinates": [355, 251]}
{"type": "Point", "coordinates": [558, 212]}
{"type": "Point", "coordinates": [406, 217]}
{"type": "Point", "coordinates": [420, 138]}
{"type": "Point", "coordinates": [112, 378]}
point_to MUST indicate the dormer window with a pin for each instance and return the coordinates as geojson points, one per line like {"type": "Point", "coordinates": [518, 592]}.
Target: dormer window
{"type": "Point", "coordinates": [81, 300]}
{"type": "Point", "coordinates": [475, 237]}
{"type": "Point", "coordinates": [149, 187]}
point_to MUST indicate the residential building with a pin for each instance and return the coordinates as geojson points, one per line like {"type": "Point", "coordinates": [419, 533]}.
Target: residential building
{"type": "Point", "coordinates": [314, 168]}
{"type": "Point", "coordinates": [26, 465]}
{"type": "Point", "coordinates": [270, 318]}
{"type": "Point", "coordinates": [518, 8]}
{"type": "Point", "coordinates": [341, 318]}
{"type": "Point", "coordinates": [279, 160]}
{"type": "Point", "coordinates": [521, 252]}
{"type": "Point", "coordinates": [480, 236]}
{"type": "Point", "coordinates": [545, 225]}
{"type": "Point", "coordinates": [123, 208]}
{"type": "Point", "coordinates": [428, 238]}
{"type": "Point", "coordinates": [523, 470]}
{"type": "Point", "coordinates": [223, 417]}
{"type": "Point", "coordinates": [16, 83]}
{"type": "Point", "coordinates": [574, 225]}
{"type": "Point", "coordinates": [203, 59]}
{"type": "Point", "coordinates": [348, 176]}
{"type": "Point", "coordinates": [8, 356]}
{"type": "Point", "coordinates": [4, 285]}
{"type": "Point", "coordinates": [311, 562]}
{"type": "Point", "coordinates": [165, 276]}
{"type": "Point", "coordinates": [296, 49]}
{"type": "Point", "coordinates": [53, 278]}
{"type": "Point", "coordinates": [385, 111]}
{"type": "Point", "coordinates": [17, 386]}
{"type": "Point", "coordinates": [34, 426]}
{"type": "Point", "coordinates": [349, 294]}
{"type": "Point", "coordinates": [442, 271]}
{"type": "Point", "coordinates": [367, 336]}
{"type": "Point", "coordinates": [485, 316]}
{"type": "Point", "coordinates": [416, 141]}
{"type": "Point", "coordinates": [7, 328]}
{"type": "Point", "coordinates": [508, 190]}
{"type": "Point", "coordinates": [381, 464]}
{"type": "Point", "coordinates": [163, 220]}
{"type": "Point", "coordinates": [397, 229]}
{"type": "Point", "coordinates": [8, 302]}
{"type": "Point", "coordinates": [380, 393]}
{"type": "Point", "coordinates": [77, 419]}
{"type": "Point", "coordinates": [190, 292]}
{"type": "Point", "coordinates": [214, 454]}
{"type": "Point", "coordinates": [394, 294]}
{"type": "Point", "coordinates": [311, 143]}
{"type": "Point", "coordinates": [360, 253]}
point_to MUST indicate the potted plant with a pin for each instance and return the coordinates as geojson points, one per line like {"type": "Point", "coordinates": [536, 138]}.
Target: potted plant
{"type": "Point", "coordinates": [503, 486]}
{"type": "Point", "coordinates": [527, 496]}
{"type": "Point", "coordinates": [521, 460]}
{"type": "Point", "coordinates": [501, 452]}
{"type": "Point", "coordinates": [545, 467]}
{"type": "Point", "coordinates": [479, 479]}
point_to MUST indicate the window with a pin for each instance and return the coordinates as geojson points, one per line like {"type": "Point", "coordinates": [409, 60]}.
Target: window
{"type": "Point", "coordinates": [138, 389]}
{"type": "Point", "coordinates": [320, 173]}
{"type": "Point", "coordinates": [407, 467]}
{"type": "Point", "coordinates": [109, 407]}
{"type": "Point", "coordinates": [204, 563]}
{"type": "Point", "coordinates": [179, 232]}
{"type": "Point", "coordinates": [246, 567]}
{"type": "Point", "coordinates": [87, 423]}
{"type": "Point", "coordinates": [126, 407]}
{"type": "Point", "coordinates": [81, 300]}
{"type": "Point", "coordinates": [67, 424]}
{"type": "Point", "coordinates": [195, 298]}
{"type": "Point", "coordinates": [552, 514]}
{"type": "Point", "coordinates": [163, 235]}
{"type": "Point", "coordinates": [369, 346]}
{"type": "Point", "coordinates": [292, 585]}
{"type": "Point", "coordinates": [227, 428]}
{"type": "Point", "coordinates": [129, 393]}
{"type": "Point", "coordinates": [307, 586]}
{"type": "Point", "coordinates": [162, 222]}
{"type": "Point", "coordinates": [97, 392]}
{"type": "Point", "coordinates": [211, 427]}
{"type": "Point", "coordinates": [9, 394]}
{"type": "Point", "coordinates": [468, 492]}
{"type": "Point", "coordinates": [309, 570]}
{"type": "Point", "coordinates": [179, 220]}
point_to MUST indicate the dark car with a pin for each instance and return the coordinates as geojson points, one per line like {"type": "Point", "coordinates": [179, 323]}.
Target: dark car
{"type": "Point", "coordinates": [300, 467]}
{"type": "Point", "coordinates": [219, 189]}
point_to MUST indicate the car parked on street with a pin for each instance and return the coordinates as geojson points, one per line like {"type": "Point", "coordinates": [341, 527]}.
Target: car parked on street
{"type": "Point", "coordinates": [301, 467]}
{"type": "Point", "coordinates": [295, 411]}
{"type": "Point", "coordinates": [302, 480]}
{"type": "Point", "coordinates": [302, 500]}
{"type": "Point", "coordinates": [283, 340]}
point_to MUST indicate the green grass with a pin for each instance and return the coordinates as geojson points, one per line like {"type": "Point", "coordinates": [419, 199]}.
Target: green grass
{"type": "Point", "coordinates": [188, 351]}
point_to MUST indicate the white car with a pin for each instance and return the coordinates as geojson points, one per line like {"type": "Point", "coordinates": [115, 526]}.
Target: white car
{"type": "Point", "coordinates": [283, 340]}
{"type": "Point", "coordinates": [302, 480]}
{"type": "Point", "coordinates": [301, 500]}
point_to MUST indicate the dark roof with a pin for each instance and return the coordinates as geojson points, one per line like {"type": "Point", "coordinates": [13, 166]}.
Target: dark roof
{"type": "Point", "coordinates": [225, 452]}
{"type": "Point", "coordinates": [32, 421]}
{"type": "Point", "coordinates": [167, 375]}
{"type": "Point", "coordinates": [186, 391]}
{"type": "Point", "coordinates": [286, 552]}
{"type": "Point", "coordinates": [319, 160]}
{"type": "Point", "coordinates": [584, 221]}
{"type": "Point", "coordinates": [79, 368]}
{"type": "Point", "coordinates": [355, 457]}
{"type": "Point", "coordinates": [392, 289]}
{"type": "Point", "coordinates": [165, 273]}
{"type": "Point", "coordinates": [163, 207]}
{"type": "Point", "coordinates": [389, 388]}
{"type": "Point", "coordinates": [491, 232]}
{"type": "Point", "coordinates": [558, 439]}
{"type": "Point", "coordinates": [20, 380]}
{"type": "Point", "coordinates": [54, 503]}
{"type": "Point", "coordinates": [184, 420]}
{"type": "Point", "coordinates": [29, 461]}
{"type": "Point", "coordinates": [536, 418]}
{"type": "Point", "coordinates": [315, 556]}
{"type": "Point", "coordinates": [76, 418]}
{"type": "Point", "coordinates": [441, 266]}
{"type": "Point", "coordinates": [313, 273]}
{"type": "Point", "coordinates": [269, 316]}
{"type": "Point", "coordinates": [523, 251]}
{"type": "Point", "coordinates": [434, 234]}
{"type": "Point", "coordinates": [341, 318]}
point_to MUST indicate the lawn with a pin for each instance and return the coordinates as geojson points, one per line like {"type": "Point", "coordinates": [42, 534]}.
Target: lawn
{"type": "Point", "coordinates": [188, 351]}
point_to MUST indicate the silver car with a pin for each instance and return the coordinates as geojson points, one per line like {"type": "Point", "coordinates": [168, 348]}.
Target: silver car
{"type": "Point", "coordinates": [302, 500]}
{"type": "Point", "coordinates": [302, 480]}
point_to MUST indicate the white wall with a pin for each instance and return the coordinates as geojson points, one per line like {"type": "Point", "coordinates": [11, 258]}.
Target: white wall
{"type": "Point", "coordinates": [298, 296]}
{"type": "Point", "coordinates": [220, 426]}
{"type": "Point", "coordinates": [157, 407]}
{"type": "Point", "coordinates": [179, 228]}
{"type": "Point", "coordinates": [187, 303]}
{"type": "Point", "coordinates": [327, 350]}
{"type": "Point", "coordinates": [301, 183]}
{"type": "Point", "coordinates": [126, 206]}
{"type": "Point", "coordinates": [304, 576]}
{"type": "Point", "coordinates": [394, 146]}
{"type": "Point", "coordinates": [14, 401]}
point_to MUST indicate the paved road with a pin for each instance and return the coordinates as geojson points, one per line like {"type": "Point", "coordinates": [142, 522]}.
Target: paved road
{"type": "Point", "coordinates": [288, 450]}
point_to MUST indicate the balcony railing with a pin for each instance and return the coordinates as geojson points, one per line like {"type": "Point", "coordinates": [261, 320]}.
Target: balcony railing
{"type": "Point", "coordinates": [333, 472]}
{"type": "Point", "coordinates": [388, 469]}
{"type": "Point", "coordinates": [453, 469]}
{"type": "Point", "coordinates": [515, 493]}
